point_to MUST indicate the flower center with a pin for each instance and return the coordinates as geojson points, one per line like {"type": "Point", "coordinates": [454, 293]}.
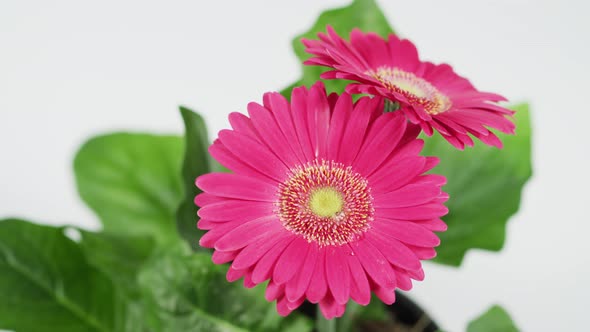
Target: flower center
{"type": "Point", "coordinates": [416, 90]}
{"type": "Point", "coordinates": [325, 202]}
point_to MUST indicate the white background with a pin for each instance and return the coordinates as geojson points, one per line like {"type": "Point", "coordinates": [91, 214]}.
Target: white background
{"type": "Point", "coordinates": [72, 69]}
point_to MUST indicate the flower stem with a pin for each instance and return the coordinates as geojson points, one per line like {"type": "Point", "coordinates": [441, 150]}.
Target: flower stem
{"type": "Point", "coordinates": [342, 324]}
{"type": "Point", "coordinates": [390, 106]}
{"type": "Point", "coordinates": [323, 324]}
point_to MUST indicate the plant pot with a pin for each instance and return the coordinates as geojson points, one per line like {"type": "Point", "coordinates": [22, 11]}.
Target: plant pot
{"type": "Point", "coordinates": [406, 316]}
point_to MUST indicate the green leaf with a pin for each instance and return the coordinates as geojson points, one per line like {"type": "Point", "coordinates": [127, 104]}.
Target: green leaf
{"type": "Point", "coordinates": [196, 162]}
{"type": "Point", "coordinates": [362, 14]}
{"type": "Point", "coordinates": [120, 257]}
{"type": "Point", "coordinates": [485, 185]}
{"type": "Point", "coordinates": [47, 285]}
{"type": "Point", "coordinates": [189, 293]}
{"type": "Point", "coordinates": [493, 320]}
{"type": "Point", "coordinates": [132, 182]}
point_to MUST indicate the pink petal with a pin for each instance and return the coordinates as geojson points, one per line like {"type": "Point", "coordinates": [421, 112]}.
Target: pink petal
{"type": "Point", "coordinates": [338, 124]}
{"type": "Point", "coordinates": [252, 253]}
{"type": "Point", "coordinates": [408, 110]}
{"type": "Point", "coordinates": [403, 280]}
{"type": "Point", "coordinates": [442, 198]}
{"type": "Point", "coordinates": [264, 122]}
{"type": "Point", "coordinates": [283, 308]}
{"type": "Point", "coordinates": [436, 225]}
{"type": "Point", "coordinates": [465, 139]}
{"type": "Point", "coordinates": [435, 179]}
{"type": "Point", "coordinates": [236, 210]}
{"type": "Point", "coordinates": [457, 143]}
{"type": "Point", "coordinates": [249, 232]}
{"type": "Point", "coordinates": [442, 128]}
{"type": "Point", "coordinates": [337, 273]}
{"type": "Point", "coordinates": [318, 286]}
{"type": "Point", "coordinates": [205, 224]}
{"type": "Point", "coordinates": [431, 162]}
{"type": "Point", "coordinates": [405, 54]}
{"type": "Point", "coordinates": [252, 152]}
{"type": "Point", "coordinates": [460, 124]}
{"type": "Point", "coordinates": [360, 290]}
{"type": "Point", "coordinates": [380, 54]}
{"type": "Point", "coordinates": [437, 73]}
{"type": "Point", "coordinates": [426, 211]}
{"type": "Point", "coordinates": [299, 113]}
{"type": "Point", "coordinates": [237, 186]}
{"type": "Point", "coordinates": [409, 149]}
{"type": "Point", "coordinates": [332, 100]}
{"type": "Point", "coordinates": [274, 291]}
{"type": "Point", "coordinates": [376, 265]}
{"type": "Point", "coordinates": [383, 137]}
{"type": "Point", "coordinates": [220, 257]}
{"type": "Point", "coordinates": [235, 164]}
{"type": "Point", "coordinates": [290, 261]}
{"type": "Point", "coordinates": [203, 199]}
{"type": "Point", "coordinates": [243, 125]}
{"type": "Point", "coordinates": [349, 53]}
{"type": "Point", "coordinates": [407, 232]}
{"type": "Point", "coordinates": [208, 239]}
{"type": "Point", "coordinates": [491, 119]}
{"type": "Point", "coordinates": [411, 134]}
{"type": "Point", "coordinates": [361, 44]}
{"type": "Point", "coordinates": [318, 117]}
{"type": "Point", "coordinates": [233, 274]}
{"type": "Point", "coordinates": [297, 289]}
{"type": "Point", "coordinates": [295, 304]}
{"type": "Point", "coordinates": [417, 274]}
{"type": "Point", "coordinates": [248, 283]}
{"type": "Point", "coordinates": [410, 195]}
{"type": "Point", "coordinates": [355, 130]}
{"type": "Point", "coordinates": [423, 252]}
{"type": "Point", "coordinates": [330, 308]}
{"type": "Point", "coordinates": [282, 113]}
{"type": "Point", "coordinates": [396, 175]}
{"type": "Point", "coordinates": [394, 251]}
{"type": "Point", "coordinates": [387, 295]}
{"type": "Point", "coordinates": [265, 265]}
{"type": "Point", "coordinates": [490, 139]}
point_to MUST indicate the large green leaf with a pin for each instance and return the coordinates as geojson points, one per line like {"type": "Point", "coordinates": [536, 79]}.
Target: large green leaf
{"type": "Point", "coordinates": [132, 182]}
{"type": "Point", "coordinates": [120, 257]}
{"type": "Point", "coordinates": [47, 285]}
{"type": "Point", "coordinates": [196, 162]}
{"type": "Point", "coordinates": [493, 320]}
{"type": "Point", "coordinates": [189, 293]}
{"type": "Point", "coordinates": [362, 14]}
{"type": "Point", "coordinates": [485, 185]}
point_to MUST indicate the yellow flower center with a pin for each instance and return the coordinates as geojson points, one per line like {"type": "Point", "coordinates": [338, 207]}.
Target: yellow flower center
{"type": "Point", "coordinates": [326, 202]}
{"type": "Point", "coordinates": [415, 89]}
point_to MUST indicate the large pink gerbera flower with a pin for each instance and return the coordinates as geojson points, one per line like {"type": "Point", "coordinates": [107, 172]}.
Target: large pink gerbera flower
{"type": "Point", "coordinates": [430, 95]}
{"type": "Point", "coordinates": [327, 201]}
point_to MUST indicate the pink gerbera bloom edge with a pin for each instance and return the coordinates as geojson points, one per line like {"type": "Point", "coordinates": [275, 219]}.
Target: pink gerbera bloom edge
{"type": "Point", "coordinates": [432, 96]}
{"type": "Point", "coordinates": [328, 201]}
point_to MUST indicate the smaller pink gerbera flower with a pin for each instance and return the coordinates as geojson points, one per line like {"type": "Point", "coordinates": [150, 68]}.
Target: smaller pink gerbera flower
{"type": "Point", "coordinates": [432, 96]}
{"type": "Point", "coordinates": [328, 200]}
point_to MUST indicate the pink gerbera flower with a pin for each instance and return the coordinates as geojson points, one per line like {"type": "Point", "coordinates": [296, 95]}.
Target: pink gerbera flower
{"type": "Point", "coordinates": [430, 95]}
{"type": "Point", "coordinates": [327, 201]}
